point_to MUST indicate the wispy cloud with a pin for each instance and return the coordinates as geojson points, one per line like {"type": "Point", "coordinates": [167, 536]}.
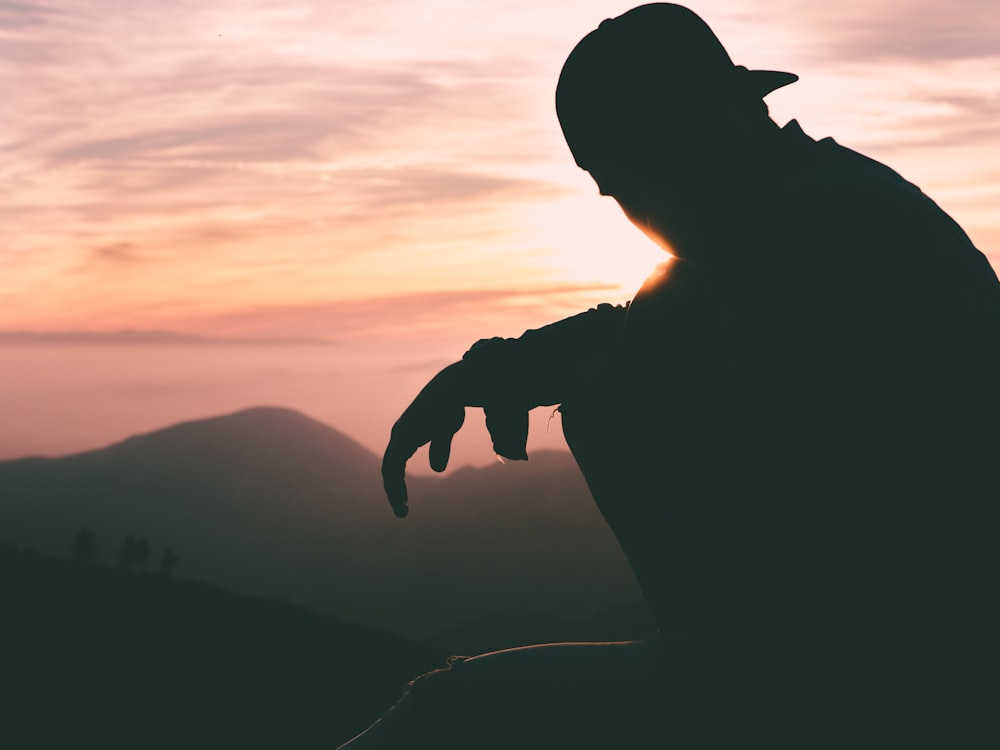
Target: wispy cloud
{"type": "Point", "coordinates": [835, 33]}
{"type": "Point", "coordinates": [922, 30]}
{"type": "Point", "coordinates": [415, 315]}
{"type": "Point", "coordinates": [178, 147]}
{"type": "Point", "coordinates": [425, 366]}
{"type": "Point", "coordinates": [204, 150]}
{"type": "Point", "coordinates": [237, 153]}
{"type": "Point", "coordinates": [23, 15]}
{"type": "Point", "coordinates": [389, 174]}
{"type": "Point", "coordinates": [145, 338]}
{"type": "Point", "coordinates": [116, 252]}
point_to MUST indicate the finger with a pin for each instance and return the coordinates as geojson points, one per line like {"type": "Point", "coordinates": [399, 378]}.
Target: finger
{"type": "Point", "coordinates": [394, 479]}
{"type": "Point", "coordinates": [440, 449]}
{"type": "Point", "coordinates": [440, 452]}
{"type": "Point", "coordinates": [395, 491]}
{"type": "Point", "coordinates": [508, 427]}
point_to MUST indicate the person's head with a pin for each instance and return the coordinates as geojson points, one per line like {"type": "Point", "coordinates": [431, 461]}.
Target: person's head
{"type": "Point", "coordinates": [651, 102]}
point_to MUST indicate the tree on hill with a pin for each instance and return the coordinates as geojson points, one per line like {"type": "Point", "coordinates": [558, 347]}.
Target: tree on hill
{"type": "Point", "coordinates": [85, 546]}
{"type": "Point", "coordinates": [168, 561]}
{"type": "Point", "coordinates": [126, 555]}
{"type": "Point", "coordinates": [141, 553]}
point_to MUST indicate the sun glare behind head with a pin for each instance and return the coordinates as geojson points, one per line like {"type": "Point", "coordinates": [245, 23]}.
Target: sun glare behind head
{"type": "Point", "coordinates": [588, 240]}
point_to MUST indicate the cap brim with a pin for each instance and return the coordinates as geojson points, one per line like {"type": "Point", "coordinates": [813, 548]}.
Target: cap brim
{"type": "Point", "coordinates": [764, 82]}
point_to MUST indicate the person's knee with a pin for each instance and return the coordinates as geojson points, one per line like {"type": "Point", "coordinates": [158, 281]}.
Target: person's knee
{"type": "Point", "coordinates": [431, 697]}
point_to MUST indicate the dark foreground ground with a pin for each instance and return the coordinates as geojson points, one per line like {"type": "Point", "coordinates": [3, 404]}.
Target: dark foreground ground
{"type": "Point", "coordinates": [99, 657]}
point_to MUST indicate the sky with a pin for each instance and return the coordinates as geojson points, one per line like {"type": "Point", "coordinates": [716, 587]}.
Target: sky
{"type": "Point", "coordinates": [211, 206]}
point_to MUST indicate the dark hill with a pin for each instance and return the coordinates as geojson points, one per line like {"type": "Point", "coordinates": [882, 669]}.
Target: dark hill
{"type": "Point", "coordinates": [271, 502]}
{"type": "Point", "coordinates": [95, 656]}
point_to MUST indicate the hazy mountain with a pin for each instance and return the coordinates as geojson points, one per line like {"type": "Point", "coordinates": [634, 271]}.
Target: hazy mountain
{"type": "Point", "coordinates": [271, 502]}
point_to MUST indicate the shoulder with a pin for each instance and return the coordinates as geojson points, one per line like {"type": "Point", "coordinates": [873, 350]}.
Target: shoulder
{"type": "Point", "coordinates": [853, 225]}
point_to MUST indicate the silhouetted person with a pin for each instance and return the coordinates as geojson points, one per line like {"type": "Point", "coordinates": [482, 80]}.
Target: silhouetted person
{"type": "Point", "coordinates": [792, 430]}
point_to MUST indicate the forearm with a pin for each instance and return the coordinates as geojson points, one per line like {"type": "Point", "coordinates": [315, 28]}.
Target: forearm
{"type": "Point", "coordinates": [544, 365]}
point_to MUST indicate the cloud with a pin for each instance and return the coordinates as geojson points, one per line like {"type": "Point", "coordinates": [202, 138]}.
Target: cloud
{"type": "Point", "coordinates": [139, 391]}
{"type": "Point", "coordinates": [408, 189]}
{"type": "Point", "coordinates": [871, 30]}
{"type": "Point", "coordinates": [15, 15]}
{"type": "Point", "coordinates": [287, 134]}
{"type": "Point", "coordinates": [210, 378]}
{"type": "Point", "coordinates": [388, 174]}
{"type": "Point", "coordinates": [924, 30]}
{"type": "Point", "coordinates": [971, 120]}
{"type": "Point", "coordinates": [931, 118]}
{"type": "Point", "coordinates": [428, 365]}
{"type": "Point", "coordinates": [249, 137]}
{"type": "Point", "coordinates": [249, 154]}
{"type": "Point", "coordinates": [412, 315]}
{"type": "Point", "coordinates": [116, 252]}
{"type": "Point", "coordinates": [146, 338]}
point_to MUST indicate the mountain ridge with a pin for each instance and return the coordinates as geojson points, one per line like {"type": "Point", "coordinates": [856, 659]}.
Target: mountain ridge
{"type": "Point", "coordinates": [271, 502]}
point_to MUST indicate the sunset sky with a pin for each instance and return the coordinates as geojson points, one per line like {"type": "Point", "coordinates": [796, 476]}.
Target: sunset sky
{"type": "Point", "coordinates": [327, 201]}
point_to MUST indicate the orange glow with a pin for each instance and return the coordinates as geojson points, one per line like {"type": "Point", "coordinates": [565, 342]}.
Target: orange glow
{"type": "Point", "coordinates": [394, 179]}
{"type": "Point", "coordinates": [592, 240]}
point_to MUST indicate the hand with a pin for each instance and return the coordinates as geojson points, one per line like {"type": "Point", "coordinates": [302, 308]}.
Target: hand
{"type": "Point", "coordinates": [506, 413]}
{"type": "Point", "coordinates": [434, 417]}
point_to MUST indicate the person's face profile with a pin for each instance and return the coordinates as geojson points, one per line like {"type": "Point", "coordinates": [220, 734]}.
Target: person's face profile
{"type": "Point", "coordinates": [637, 197]}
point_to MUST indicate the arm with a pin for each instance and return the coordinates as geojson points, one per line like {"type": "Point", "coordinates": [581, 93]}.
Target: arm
{"type": "Point", "coordinates": [544, 365]}
{"type": "Point", "coordinates": [507, 378]}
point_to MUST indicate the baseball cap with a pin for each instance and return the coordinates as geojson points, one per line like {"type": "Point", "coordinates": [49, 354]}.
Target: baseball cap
{"type": "Point", "coordinates": [651, 56]}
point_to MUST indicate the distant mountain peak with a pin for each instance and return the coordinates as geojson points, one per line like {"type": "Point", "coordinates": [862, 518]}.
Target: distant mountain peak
{"type": "Point", "coordinates": [268, 413]}
{"type": "Point", "coordinates": [288, 426]}
{"type": "Point", "coordinates": [257, 434]}
{"type": "Point", "coordinates": [273, 415]}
